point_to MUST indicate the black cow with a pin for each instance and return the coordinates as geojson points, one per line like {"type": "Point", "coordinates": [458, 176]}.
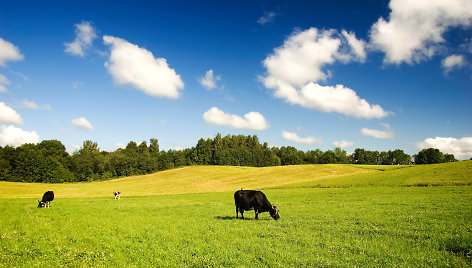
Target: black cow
{"type": "Point", "coordinates": [249, 200]}
{"type": "Point", "coordinates": [47, 198]}
{"type": "Point", "coordinates": [117, 194]}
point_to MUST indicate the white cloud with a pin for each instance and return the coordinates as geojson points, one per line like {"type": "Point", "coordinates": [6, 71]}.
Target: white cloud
{"type": "Point", "coordinates": [291, 136]}
{"type": "Point", "coordinates": [120, 145]}
{"type": "Point", "coordinates": [85, 34]}
{"type": "Point", "coordinates": [387, 133]}
{"type": "Point", "coordinates": [294, 68]}
{"type": "Point", "coordinates": [453, 61]}
{"type": "Point", "coordinates": [415, 28]}
{"type": "Point", "coordinates": [209, 81]}
{"type": "Point", "coordinates": [83, 123]}
{"type": "Point", "coordinates": [343, 144]}
{"type": "Point", "coordinates": [9, 52]}
{"type": "Point", "coordinates": [3, 81]}
{"type": "Point", "coordinates": [357, 46]}
{"type": "Point", "coordinates": [13, 136]}
{"type": "Point", "coordinates": [8, 115]}
{"type": "Point", "coordinates": [328, 99]}
{"type": "Point", "coordinates": [76, 84]}
{"type": "Point", "coordinates": [266, 18]}
{"type": "Point", "coordinates": [460, 148]}
{"type": "Point", "coordinates": [251, 120]}
{"type": "Point", "coordinates": [130, 64]}
{"type": "Point", "coordinates": [34, 106]}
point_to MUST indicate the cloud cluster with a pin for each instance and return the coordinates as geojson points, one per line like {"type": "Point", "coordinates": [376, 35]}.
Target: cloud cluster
{"type": "Point", "coordinates": [251, 120]}
{"type": "Point", "coordinates": [460, 148]}
{"type": "Point", "coordinates": [209, 81]}
{"type": "Point", "coordinates": [387, 133]}
{"type": "Point", "coordinates": [292, 136]}
{"type": "Point", "coordinates": [13, 136]}
{"type": "Point", "coordinates": [83, 123]}
{"type": "Point", "coordinates": [9, 116]}
{"type": "Point", "coordinates": [294, 69]}
{"type": "Point", "coordinates": [415, 29]}
{"type": "Point", "coordinates": [9, 52]}
{"type": "Point", "coordinates": [85, 34]}
{"type": "Point", "coordinates": [130, 64]}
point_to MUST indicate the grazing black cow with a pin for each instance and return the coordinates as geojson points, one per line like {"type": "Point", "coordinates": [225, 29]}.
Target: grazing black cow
{"type": "Point", "coordinates": [249, 200]}
{"type": "Point", "coordinates": [47, 199]}
{"type": "Point", "coordinates": [117, 194]}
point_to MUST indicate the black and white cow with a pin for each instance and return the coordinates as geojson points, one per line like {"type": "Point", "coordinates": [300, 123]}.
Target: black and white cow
{"type": "Point", "coordinates": [117, 194]}
{"type": "Point", "coordinates": [249, 199]}
{"type": "Point", "coordinates": [47, 199]}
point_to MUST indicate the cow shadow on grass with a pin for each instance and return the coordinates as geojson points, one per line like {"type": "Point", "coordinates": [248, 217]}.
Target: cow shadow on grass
{"type": "Point", "coordinates": [233, 218]}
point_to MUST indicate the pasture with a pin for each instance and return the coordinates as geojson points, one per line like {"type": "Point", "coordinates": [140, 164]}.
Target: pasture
{"type": "Point", "coordinates": [331, 215]}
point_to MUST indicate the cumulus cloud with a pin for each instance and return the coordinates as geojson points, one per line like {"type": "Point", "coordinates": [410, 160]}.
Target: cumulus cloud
{"type": "Point", "coordinates": [387, 133]}
{"type": "Point", "coordinates": [209, 81]}
{"type": "Point", "coordinates": [8, 115]}
{"type": "Point", "coordinates": [130, 64]}
{"type": "Point", "coordinates": [251, 120]}
{"type": "Point", "coordinates": [84, 36]}
{"type": "Point", "coordinates": [9, 52]}
{"type": "Point", "coordinates": [343, 144]}
{"type": "Point", "coordinates": [266, 18]}
{"type": "Point", "coordinates": [83, 123]}
{"type": "Point", "coordinates": [453, 61]}
{"type": "Point", "coordinates": [416, 28]}
{"type": "Point", "coordinates": [291, 136]}
{"type": "Point", "coordinates": [13, 136]}
{"type": "Point", "coordinates": [460, 148]}
{"type": "Point", "coordinates": [294, 69]}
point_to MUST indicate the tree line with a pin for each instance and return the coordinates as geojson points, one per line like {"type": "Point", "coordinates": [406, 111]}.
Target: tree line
{"type": "Point", "coordinates": [48, 161]}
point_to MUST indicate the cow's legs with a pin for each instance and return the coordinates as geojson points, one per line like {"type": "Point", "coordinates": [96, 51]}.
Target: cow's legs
{"type": "Point", "coordinates": [257, 214]}
{"type": "Point", "coordinates": [242, 216]}
{"type": "Point", "coordinates": [237, 212]}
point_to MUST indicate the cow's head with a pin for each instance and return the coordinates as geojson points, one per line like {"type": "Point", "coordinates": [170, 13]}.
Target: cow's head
{"type": "Point", "coordinates": [274, 212]}
{"type": "Point", "coordinates": [40, 204]}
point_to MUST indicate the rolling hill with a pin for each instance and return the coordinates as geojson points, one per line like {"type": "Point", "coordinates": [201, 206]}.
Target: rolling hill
{"type": "Point", "coordinates": [201, 179]}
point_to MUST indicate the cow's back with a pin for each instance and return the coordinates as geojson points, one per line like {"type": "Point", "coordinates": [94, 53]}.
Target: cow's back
{"type": "Point", "coordinates": [249, 199]}
{"type": "Point", "coordinates": [48, 196]}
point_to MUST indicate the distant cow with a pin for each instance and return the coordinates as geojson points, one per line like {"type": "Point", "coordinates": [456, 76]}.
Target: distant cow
{"type": "Point", "coordinates": [117, 194]}
{"type": "Point", "coordinates": [47, 199]}
{"type": "Point", "coordinates": [249, 200]}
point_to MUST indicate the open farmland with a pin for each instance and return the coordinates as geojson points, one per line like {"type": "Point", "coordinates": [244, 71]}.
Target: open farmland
{"type": "Point", "coordinates": [331, 215]}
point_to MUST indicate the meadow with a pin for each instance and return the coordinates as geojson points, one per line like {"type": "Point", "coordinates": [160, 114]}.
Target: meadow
{"type": "Point", "coordinates": [331, 216]}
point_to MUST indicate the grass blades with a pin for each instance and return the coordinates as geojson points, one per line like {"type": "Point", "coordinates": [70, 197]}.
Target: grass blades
{"type": "Point", "coordinates": [387, 226]}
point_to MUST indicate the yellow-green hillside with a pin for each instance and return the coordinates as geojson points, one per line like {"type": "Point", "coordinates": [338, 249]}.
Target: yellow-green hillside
{"type": "Point", "coordinates": [201, 179]}
{"type": "Point", "coordinates": [193, 179]}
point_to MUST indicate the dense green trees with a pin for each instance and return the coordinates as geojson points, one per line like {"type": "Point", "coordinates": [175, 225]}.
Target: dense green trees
{"type": "Point", "coordinates": [48, 161]}
{"type": "Point", "coordinates": [432, 156]}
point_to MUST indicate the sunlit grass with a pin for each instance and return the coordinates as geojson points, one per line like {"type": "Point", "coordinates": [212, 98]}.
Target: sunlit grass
{"type": "Point", "coordinates": [386, 226]}
{"type": "Point", "coordinates": [331, 216]}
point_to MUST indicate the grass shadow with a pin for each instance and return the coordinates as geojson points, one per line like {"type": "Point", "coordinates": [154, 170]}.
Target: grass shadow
{"type": "Point", "coordinates": [226, 218]}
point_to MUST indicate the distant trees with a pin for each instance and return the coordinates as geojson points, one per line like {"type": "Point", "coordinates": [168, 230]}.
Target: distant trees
{"type": "Point", "coordinates": [48, 161]}
{"type": "Point", "coordinates": [432, 156]}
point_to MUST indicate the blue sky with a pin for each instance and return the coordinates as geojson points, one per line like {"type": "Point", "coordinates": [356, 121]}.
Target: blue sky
{"type": "Point", "coordinates": [378, 75]}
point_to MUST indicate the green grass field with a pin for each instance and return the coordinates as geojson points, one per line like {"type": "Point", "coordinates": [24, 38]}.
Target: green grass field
{"type": "Point", "coordinates": [331, 216]}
